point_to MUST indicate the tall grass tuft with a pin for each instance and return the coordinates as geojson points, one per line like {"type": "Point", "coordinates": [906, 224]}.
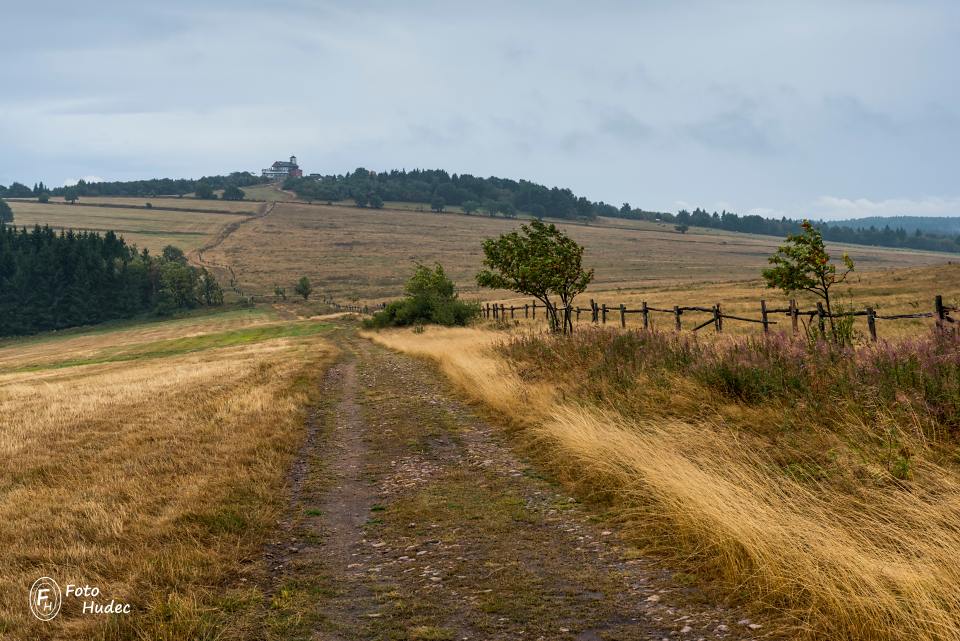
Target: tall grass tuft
{"type": "Point", "coordinates": [918, 379]}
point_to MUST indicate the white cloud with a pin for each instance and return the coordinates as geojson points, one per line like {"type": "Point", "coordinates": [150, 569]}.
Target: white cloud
{"type": "Point", "coordinates": [836, 208]}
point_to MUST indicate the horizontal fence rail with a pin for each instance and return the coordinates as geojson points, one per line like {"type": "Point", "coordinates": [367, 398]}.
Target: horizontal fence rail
{"type": "Point", "coordinates": [359, 309]}
{"type": "Point", "coordinates": [599, 314]}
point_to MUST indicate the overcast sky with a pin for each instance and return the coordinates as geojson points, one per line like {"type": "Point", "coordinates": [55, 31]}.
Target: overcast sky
{"type": "Point", "coordinates": [822, 109]}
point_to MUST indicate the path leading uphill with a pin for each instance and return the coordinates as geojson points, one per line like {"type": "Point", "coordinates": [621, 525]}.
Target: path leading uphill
{"type": "Point", "coordinates": [411, 518]}
{"type": "Point", "coordinates": [225, 273]}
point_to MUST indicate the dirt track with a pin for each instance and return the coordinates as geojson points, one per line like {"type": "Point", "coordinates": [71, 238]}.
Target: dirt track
{"type": "Point", "coordinates": [411, 518]}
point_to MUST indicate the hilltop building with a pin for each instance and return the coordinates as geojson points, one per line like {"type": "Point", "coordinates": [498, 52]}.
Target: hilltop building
{"type": "Point", "coordinates": [281, 170]}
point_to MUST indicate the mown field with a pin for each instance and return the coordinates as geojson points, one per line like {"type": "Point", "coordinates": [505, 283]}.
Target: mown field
{"type": "Point", "coordinates": [149, 228]}
{"type": "Point", "coordinates": [366, 255]}
{"type": "Point", "coordinates": [228, 206]}
{"type": "Point", "coordinates": [150, 460]}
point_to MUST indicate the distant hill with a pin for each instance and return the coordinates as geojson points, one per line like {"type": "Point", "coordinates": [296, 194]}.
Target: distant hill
{"type": "Point", "coordinates": [493, 196]}
{"type": "Point", "coordinates": [945, 225]}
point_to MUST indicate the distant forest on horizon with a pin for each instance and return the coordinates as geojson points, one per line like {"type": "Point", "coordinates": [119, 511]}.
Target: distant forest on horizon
{"type": "Point", "coordinates": [507, 197]}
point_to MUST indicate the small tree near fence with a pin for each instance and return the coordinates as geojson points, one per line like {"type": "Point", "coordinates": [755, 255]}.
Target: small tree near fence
{"type": "Point", "coordinates": [803, 264]}
{"type": "Point", "coordinates": [304, 288]}
{"type": "Point", "coordinates": [539, 261]}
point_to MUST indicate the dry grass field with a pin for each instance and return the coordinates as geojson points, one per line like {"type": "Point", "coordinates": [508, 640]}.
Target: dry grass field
{"type": "Point", "coordinates": [366, 255]}
{"type": "Point", "coordinates": [149, 460]}
{"type": "Point", "coordinates": [268, 192]}
{"type": "Point", "coordinates": [227, 206]}
{"type": "Point", "coordinates": [150, 228]}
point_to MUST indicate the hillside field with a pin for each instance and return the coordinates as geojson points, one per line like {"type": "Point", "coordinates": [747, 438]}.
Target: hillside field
{"type": "Point", "coordinates": [147, 228]}
{"type": "Point", "coordinates": [366, 255]}
{"type": "Point", "coordinates": [185, 203]}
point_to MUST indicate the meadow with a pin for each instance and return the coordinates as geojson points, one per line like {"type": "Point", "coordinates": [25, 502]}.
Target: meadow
{"type": "Point", "coordinates": [817, 487]}
{"type": "Point", "coordinates": [185, 203]}
{"type": "Point", "coordinates": [353, 254]}
{"type": "Point", "coordinates": [268, 192]}
{"type": "Point", "coordinates": [150, 460]}
{"type": "Point", "coordinates": [152, 229]}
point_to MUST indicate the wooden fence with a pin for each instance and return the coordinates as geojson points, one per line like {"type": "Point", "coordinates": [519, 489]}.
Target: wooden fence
{"type": "Point", "coordinates": [360, 309]}
{"type": "Point", "coordinates": [600, 313]}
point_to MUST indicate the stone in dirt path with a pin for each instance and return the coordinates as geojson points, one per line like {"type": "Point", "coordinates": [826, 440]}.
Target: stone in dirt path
{"type": "Point", "coordinates": [412, 519]}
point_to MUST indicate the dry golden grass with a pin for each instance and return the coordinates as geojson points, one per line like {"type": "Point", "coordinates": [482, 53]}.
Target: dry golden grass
{"type": "Point", "coordinates": [226, 206]}
{"type": "Point", "coordinates": [150, 228]}
{"type": "Point", "coordinates": [875, 563]}
{"type": "Point", "coordinates": [155, 479]}
{"type": "Point", "coordinates": [366, 255]}
{"type": "Point", "coordinates": [268, 192]}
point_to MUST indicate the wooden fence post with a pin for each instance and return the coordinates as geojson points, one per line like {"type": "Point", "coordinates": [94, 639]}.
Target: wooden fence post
{"type": "Point", "coordinates": [578, 313]}
{"type": "Point", "coordinates": [794, 316]}
{"type": "Point", "coordinates": [676, 313]}
{"type": "Point", "coordinates": [940, 312]}
{"type": "Point", "coordinates": [503, 311]}
{"type": "Point", "coordinates": [534, 310]}
{"type": "Point", "coordinates": [593, 311]}
{"type": "Point", "coordinates": [623, 316]}
{"type": "Point", "coordinates": [716, 318]}
{"type": "Point", "coordinates": [604, 313]}
{"type": "Point", "coordinates": [872, 323]}
{"type": "Point", "coordinates": [821, 314]}
{"type": "Point", "coordinates": [511, 312]}
{"type": "Point", "coordinates": [646, 319]}
{"type": "Point", "coordinates": [526, 310]}
{"type": "Point", "coordinates": [763, 316]}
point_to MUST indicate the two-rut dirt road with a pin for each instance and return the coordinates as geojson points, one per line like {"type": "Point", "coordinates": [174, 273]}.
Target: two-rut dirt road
{"type": "Point", "coordinates": [412, 518]}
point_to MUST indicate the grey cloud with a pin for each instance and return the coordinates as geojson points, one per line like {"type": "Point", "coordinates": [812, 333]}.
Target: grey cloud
{"type": "Point", "coordinates": [754, 104]}
{"type": "Point", "coordinates": [625, 127]}
{"type": "Point", "coordinates": [733, 131]}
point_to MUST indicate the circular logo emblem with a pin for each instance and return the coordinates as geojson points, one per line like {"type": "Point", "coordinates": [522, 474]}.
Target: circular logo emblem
{"type": "Point", "coordinates": [45, 599]}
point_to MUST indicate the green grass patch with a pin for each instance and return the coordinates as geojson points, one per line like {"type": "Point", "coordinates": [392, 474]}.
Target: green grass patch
{"type": "Point", "coordinates": [224, 313]}
{"type": "Point", "coordinates": [187, 345]}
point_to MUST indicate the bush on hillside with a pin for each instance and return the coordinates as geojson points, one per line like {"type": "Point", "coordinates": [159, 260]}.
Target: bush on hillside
{"type": "Point", "coordinates": [431, 298]}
